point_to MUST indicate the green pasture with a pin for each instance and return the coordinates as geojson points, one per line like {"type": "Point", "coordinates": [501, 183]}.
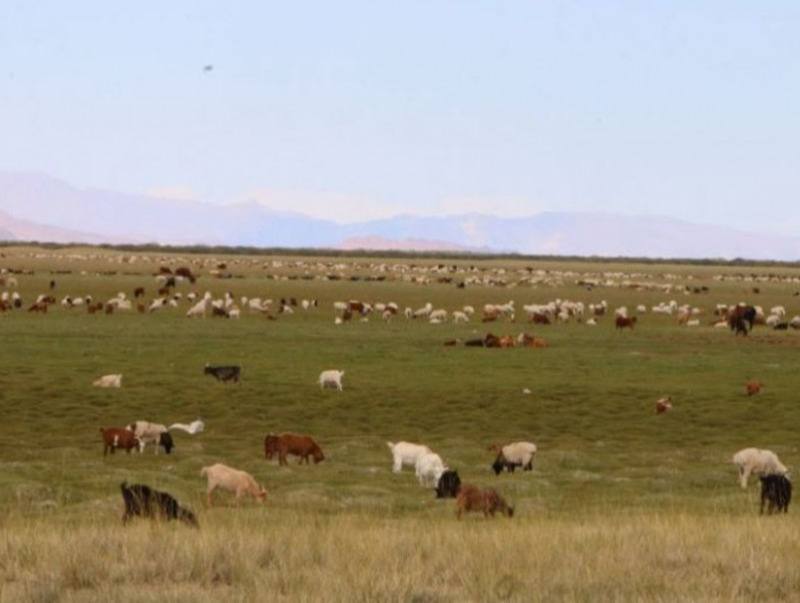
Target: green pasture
{"type": "Point", "coordinates": [603, 452]}
{"type": "Point", "coordinates": [590, 406]}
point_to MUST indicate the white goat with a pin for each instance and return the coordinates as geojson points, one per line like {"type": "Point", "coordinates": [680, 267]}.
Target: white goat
{"type": "Point", "coordinates": [406, 454]}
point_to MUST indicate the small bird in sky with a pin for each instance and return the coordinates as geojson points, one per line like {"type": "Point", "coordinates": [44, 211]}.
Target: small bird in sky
{"type": "Point", "coordinates": [208, 67]}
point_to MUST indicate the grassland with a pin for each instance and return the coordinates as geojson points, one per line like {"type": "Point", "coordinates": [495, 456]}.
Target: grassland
{"type": "Point", "coordinates": [622, 504]}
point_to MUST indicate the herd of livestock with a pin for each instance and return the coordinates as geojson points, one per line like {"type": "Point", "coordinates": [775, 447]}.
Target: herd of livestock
{"type": "Point", "coordinates": [141, 500]}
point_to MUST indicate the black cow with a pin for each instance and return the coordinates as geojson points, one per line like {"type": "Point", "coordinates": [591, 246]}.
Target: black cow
{"type": "Point", "coordinates": [224, 373]}
{"type": "Point", "coordinates": [776, 491]}
{"type": "Point", "coordinates": [741, 319]}
{"type": "Point", "coordinates": [143, 501]}
{"type": "Point", "coordinates": [448, 485]}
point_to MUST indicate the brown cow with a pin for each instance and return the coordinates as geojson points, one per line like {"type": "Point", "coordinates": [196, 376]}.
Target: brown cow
{"type": "Point", "coordinates": [530, 341]}
{"type": "Point", "coordinates": [118, 437]}
{"type": "Point", "coordinates": [292, 443]}
{"type": "Point", "coordinates": [472, 498]}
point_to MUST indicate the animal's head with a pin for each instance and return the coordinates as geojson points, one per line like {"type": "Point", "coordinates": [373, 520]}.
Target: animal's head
{"type": "Point", "coordinates": [508, 512]}
{"type": "Point", "coordinates": [262, 494]}
{"type": "Point", "coordinates": [317, 454]}
{"type": "Point", "coordinates": [188, 517]}
{"type": "Point", "coordinates": [497, 466]}
{"type": "Point", "coordinates": [165, 439]}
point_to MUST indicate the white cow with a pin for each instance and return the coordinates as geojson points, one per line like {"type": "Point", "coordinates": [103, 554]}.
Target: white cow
{"type": "Point", "coordinates": [757, 462]}
{"type": "Point", "coordinates": [331, 378]}
{"type": "Point", "coordinates": [406, 453]}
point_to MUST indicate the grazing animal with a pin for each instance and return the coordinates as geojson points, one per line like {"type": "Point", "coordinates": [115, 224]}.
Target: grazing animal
{"type": "Point", "coordinates": [622, 322]}
{"type": "Point", "coordinates": [406, 454]}
{"type": "Point", "coordinates": [489, 502]}
{"type": "Point", "coordinates": [429, 468]}
{"type": "Point", "coordinates": [753, 387]}
{"type": "Point", "coordinates": [448, 485]}
{"type": "Point", "coordinates": [663, 405]}
{"type": "Point", "coordinates": [300, 445]}
{"type": "Point", "coordinates": [108, 381]}
{"type": "Point", "coordinates": [152, 432]}
{"type": "Point", "coordinates": [741, 319]}
{"type": "Point", "coordinates": [511, 456]}
{"type": "Point", "coordinates": [234, 480]}
{"type": "Point", "coordinates": [530, 341]}
{"type": "Point", "coordinates": [776, 491]}
{"type": "Point", "coordinates": [118, 437]}
{"type": "Point", "coordinates": [231, 372]}
{"type": "Point", "coordinates": [757, 462]}
{"type": "Point", "coordinates": [143, 501]}
{"type": "Point", "coordinates": [331, 378]}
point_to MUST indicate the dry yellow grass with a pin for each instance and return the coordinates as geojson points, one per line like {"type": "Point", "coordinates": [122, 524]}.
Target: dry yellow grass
{"type": "Point", "coordinates": [259, 554]}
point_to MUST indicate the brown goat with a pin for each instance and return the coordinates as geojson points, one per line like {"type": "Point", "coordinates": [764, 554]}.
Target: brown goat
{"type": "Point", "coordinates": [473, 498]}
{"type": "Point", "coordinates": [292, 443]}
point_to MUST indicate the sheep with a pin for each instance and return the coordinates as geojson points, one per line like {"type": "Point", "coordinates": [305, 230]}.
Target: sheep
{"type": "Point", "coordinates": [429, 468]}
{"type": "Point", "coordinates": [406, 453]}
{"type": "Point", "coordinates": [234, 480]}
{"type": "Point", "coordinates": [757, 462]}
{"type": "Point", "coordinates": [331, 378]}
{"type": "Point", "coordinates": [513, 455]}
{"type": "Point", "coordinates": [473, 498]}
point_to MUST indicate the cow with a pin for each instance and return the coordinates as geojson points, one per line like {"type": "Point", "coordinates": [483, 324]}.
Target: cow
{"type": "Point", "coordinates": [299, 445]}
{"type": "Point", "coordinates": [118, 437]}
{"type": "Point", "coordinates": [776, 491]}
{"type": "Point", "coordinates": [448, 485]}
{"type": "Point", "coordinates": [231, 372]}
{"type": "Point", "coordinates": [473, 498]}
{"type": "Point", "coordinates": [753, 387]}
{"type": "Point", "coordinates": [663, 405]}
{"type": "Point", "coordinates": [235, 480]}
{"type": "Point", "coordinates": [143, 501]}
{"type": "Point", "coordinates": [741, 319]}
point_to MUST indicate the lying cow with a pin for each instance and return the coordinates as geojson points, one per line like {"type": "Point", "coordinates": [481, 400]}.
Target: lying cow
{"type": "Point", "coordinates": [143, 501]}
{"type": "Point", "coordinates": [118, 437]}
{"type": "Point", "coordinates": [233, 480]}
{"type": "Point", "coordinates": [231, 372]}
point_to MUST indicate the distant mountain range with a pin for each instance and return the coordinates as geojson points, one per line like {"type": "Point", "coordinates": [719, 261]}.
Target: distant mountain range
{"type": "Point", "coordinates": [36, 207]}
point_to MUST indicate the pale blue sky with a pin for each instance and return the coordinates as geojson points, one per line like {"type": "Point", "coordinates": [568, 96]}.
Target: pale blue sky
{"type": "Point", "coordinates": [357, 110]}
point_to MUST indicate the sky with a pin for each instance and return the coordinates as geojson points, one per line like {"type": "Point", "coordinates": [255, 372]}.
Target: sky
{"type": "Point", "coordinates": [354, 110]}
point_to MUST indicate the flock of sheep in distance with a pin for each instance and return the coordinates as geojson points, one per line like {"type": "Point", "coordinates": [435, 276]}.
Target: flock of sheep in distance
{"type": "Point", "coordinates": [169, 285]}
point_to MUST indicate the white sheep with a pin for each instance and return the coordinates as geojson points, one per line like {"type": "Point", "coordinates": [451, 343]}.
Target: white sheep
{"type": "Point", "coordinates": [429, 468]}
{"type": "Point", "coordinates": [757, 462]}
{"type": "Point", "coordinates": [331, 378]}
{"type": "Point", "coordinates": [406, 454]}
{"type": "Point", "coordinates": [513, 455]}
